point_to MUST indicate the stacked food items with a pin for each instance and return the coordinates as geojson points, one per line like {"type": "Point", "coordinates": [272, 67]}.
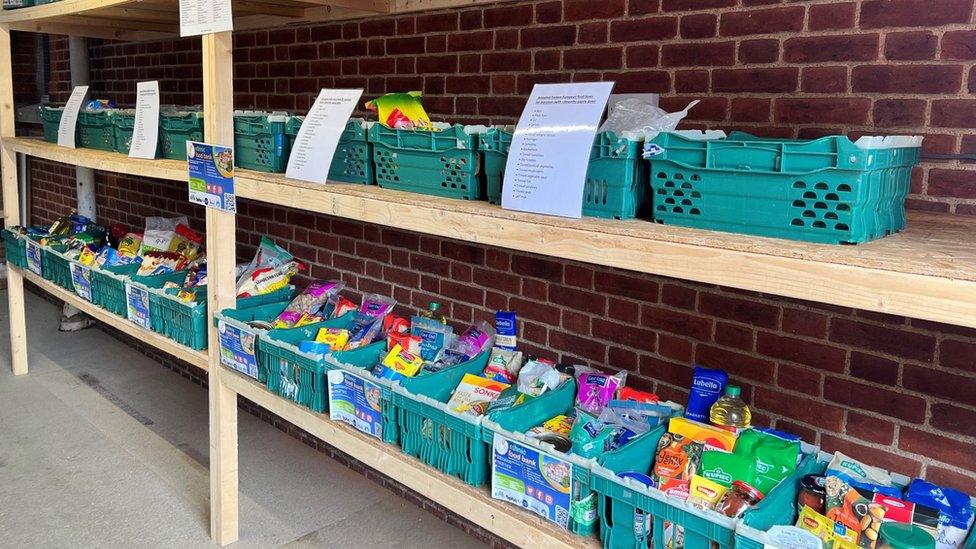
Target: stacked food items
{"type": "Point", "coordinates": [74, 231]}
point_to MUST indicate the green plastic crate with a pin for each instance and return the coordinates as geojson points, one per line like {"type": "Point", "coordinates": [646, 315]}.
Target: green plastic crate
{"type": "Point", "coordinates": [616, 179]}
{"type": "Point", "coordinates": [241, 316]}
{"type": "Point", "coordinates": [259, 141]}
{"type": "Point", "coordinates": [124, 121]}
{"type": "Point", "coordinates": [15, 249]}
{"type": "Point", "coordinates": [51, 121]}
{"type": "Point", "coordinates": [512, 423]}
{"type": "Point", "coordinates": [439, 437]}
{"type": "Point", "coordinates": [633, 516]}
{"type": "Point", "coordinates": [828, 190]}
{"type": "Point", "coordinates": [17, 4]}
{"type": "Point", "coordinates": [353, 160]}
{"type": "Point", "coordinates": [360, 362]}
{"type": "Point", "coordinates": [96, 130]}
{"type": "Point", "coordinates": [290, 373]}
{"type": "Point", "coordinates": [185, 322]}
{"type": "Point", "coordinates": [441, 163]}
{"type": "Point", "coordinates": [55, 266]}
{"type": "Point", "coordinates": [108, 288]}
{"type": "Point", "coordinates": [176, 128]}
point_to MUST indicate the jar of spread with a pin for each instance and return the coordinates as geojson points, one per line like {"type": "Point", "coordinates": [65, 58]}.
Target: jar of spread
{"type": "Point", "coordinates": [895, 535]}
{"type": "Point", "coordinates": [739, 498]}
{"type": "Point", "coordinates": [812, 493]}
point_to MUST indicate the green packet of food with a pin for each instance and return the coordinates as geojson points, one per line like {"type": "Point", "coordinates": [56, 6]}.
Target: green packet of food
{"type": "Point", "coordinates": [774, 458]}
{"type": "Point", "coordinates": [725, 468]}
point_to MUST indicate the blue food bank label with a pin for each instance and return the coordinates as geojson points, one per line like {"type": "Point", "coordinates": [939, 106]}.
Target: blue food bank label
{"type": "Point", "coordinates": [531, 479]}
{"type": "Point", "coordinates": [137, 305]}
{"type": "Point", "coordinates": [33, 250]}
{"type": "Point", "coordinates": [356, 401]}
{"type": "Point", "coordinates": [237, 348]}
{"type": "Point", "coordinates": [211, 175]}
{"type": "Point", "coordinates": [81, 280]}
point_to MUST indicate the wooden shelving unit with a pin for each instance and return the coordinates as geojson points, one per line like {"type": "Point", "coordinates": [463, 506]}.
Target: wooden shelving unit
{"type": "Point", "coordinates": [928, 272]}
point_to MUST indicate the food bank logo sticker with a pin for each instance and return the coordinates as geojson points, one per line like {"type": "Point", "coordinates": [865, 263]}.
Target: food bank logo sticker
{"type": "Point", "coordinates": [501, 446]}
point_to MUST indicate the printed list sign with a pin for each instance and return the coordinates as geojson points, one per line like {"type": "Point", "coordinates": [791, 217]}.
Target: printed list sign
{"type": "Point", "coordinates": [546, 168]}
{"type": "Point", "coordinates": [316, 142]}
{"type": "Point", "coordinates": [205, 17]}
{"type": "Point", "coordinates": [69, 117]}
{"type": "Point", "coordinates": [145, 131]}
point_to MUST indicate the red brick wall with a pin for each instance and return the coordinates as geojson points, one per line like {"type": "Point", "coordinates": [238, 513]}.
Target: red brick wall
{"type": "Point", "coordinates": [893, 391]}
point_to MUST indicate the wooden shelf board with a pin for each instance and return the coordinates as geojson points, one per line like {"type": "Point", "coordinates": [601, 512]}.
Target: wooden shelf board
{"type": "Point", "coordinates": [196, 358]}
{"type": "Point", "coordinates": [508, 521]}
{"type": "Point", "coordinates": [928, 271]}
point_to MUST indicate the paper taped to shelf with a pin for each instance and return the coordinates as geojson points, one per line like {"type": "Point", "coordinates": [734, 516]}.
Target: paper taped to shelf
{"type": "Point", "coordinates": [69, 118]}
{"type": "Point", "coordinates": [145, 130]}
{"type": "Point", "coordinates": [205, 16]}
{"type": "Point", "coordinates": [317, 139]}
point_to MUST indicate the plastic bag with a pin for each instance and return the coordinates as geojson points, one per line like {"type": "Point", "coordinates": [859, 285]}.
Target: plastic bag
{"type": "Point", "coordinates": [368, 321]}
{"type": "Point", "coordinates": [538, 376]}
{"type": "Point", "coordinates": [307, 303]}
{"type": "Point", "coordinates": [159, 233]}
{"type": "Point", "coordinates": [639, 115]}
{"type": "Point", "coordinates": [596, 389]}
{"type": "Point", "coordinates": [268, 256]}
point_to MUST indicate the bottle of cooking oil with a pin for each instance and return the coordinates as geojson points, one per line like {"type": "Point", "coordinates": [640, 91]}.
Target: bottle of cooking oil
{"type": "Point", "coordinates": [730, 411]}
{"type": "Point", "coordinates": [433, 312]}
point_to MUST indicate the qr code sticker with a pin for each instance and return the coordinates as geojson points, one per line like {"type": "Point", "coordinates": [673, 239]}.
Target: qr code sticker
{"type": "Point", "coordinates": [230, 202]}
{"type": "Point", "coordinates": [562, 516]}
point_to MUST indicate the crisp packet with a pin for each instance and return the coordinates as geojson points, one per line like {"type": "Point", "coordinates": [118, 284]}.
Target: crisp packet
{"type": "Point", "coordinates": [307, 302]}
{"type": "Point", "coordinates": [87, 256]}
{"type": "Point", "coordinates": [130, 244]}
{"type": "Point", "coordinates": [336, 338]}
{"type": "Point", "coordinates": [400, 111]}
{"type": "Point", "coordinates": [407, 341]}
{"type": "Point", "coordinates": [155, 263]}
{"type": "Point", "coordinates": [402, 362]}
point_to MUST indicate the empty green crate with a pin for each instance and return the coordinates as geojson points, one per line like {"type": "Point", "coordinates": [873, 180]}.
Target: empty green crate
{"type": "Point", "coordinates": [15, 248]}
{"type": "Point", "coordinates": [616, 179]}
{"type": "Point", "coordinates": [176, 128]}
{"type": "Point", "coordinates": [290, 373]}
{"type": "Point", "coordinates": [185, 322]}
{"type": "Point", "coordinates": [124, 121]}
{"type": "Point", "coordinates": [51, 121]}
{"type": "Point", "coordinates": [353, 160]}
{"type": "Point", "coordinates": [439, 437]}
{"type": "Point", "coordinates": [441, 163]}
{"type": "Point", "coordinates": [635, 516]}
{"type": "Point", "coordinates": [96, 130]}
{"type": "Point", "coordinates": [827, 190]}
{"type": "Point", "coordinates": [259, 141]}
{"type": "Point", "coordinates": [55, 266]}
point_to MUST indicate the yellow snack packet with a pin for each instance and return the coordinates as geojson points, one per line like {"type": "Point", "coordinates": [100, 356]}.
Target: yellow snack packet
{"type": "Point", "coordinates": [336, 338]}
{"type": "Point", "coordinates": [704, 493]}
{"type": "Point", "coordinates": [402, 362]}
{"type": "Point", "coordinates": [87, 257]}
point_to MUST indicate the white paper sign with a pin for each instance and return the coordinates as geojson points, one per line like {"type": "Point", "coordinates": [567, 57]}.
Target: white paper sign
{"type": "Point", "coordinates": [69, 118]}
{"type": "Point", "coordinates": [550, 150]}
{"type": "Point", "coordinates": [145, 132]}
{"type": "Point", "coordinates": [315, 145]}
{"type": "Point", "coordinates": [204, 17]}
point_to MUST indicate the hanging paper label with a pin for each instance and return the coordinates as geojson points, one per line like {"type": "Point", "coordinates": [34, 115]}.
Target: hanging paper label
{"type": "Point", "coordinates": [33, 252]}
{"type": "Point", "coordinates": [137, 301]}
{"type": "Point", "coordinates": [205, 17]}
{"type": "Point", "coordinates": [81, 279]}
{"type": "Point", "coordinates": [145, 130]}
{"type": "Point", "coordinates": [69, 117]}
{"type": "Point", "coordinates": [531, 479]}
{"type": "Point", "coordinates": [550, 152]}
{"type": "Point", "coordinates": [237, 348]}
{"type": "Point", "coordinates": [315, 146]}
{"type": "Point", "coordinates": [211, 175]}
{"type": "Point", "coordinates": [355, 401]}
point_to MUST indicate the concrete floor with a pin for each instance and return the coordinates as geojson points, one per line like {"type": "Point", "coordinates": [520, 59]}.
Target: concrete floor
{"type": "Point", "coordinates": [102, 447]}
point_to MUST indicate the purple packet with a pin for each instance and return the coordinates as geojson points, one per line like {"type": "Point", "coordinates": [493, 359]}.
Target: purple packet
{"type": "Point", "coordinates": [597, 389]}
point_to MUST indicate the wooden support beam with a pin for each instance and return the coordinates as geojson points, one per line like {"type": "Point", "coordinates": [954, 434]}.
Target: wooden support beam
{"type": "Point", "coordinates": [218, 108]}
{"type": "Point", "coordinates": [90, 31]}
{"type": "Point", "coordinates": [11, 206]}
{"type": "Point", "coordinates": [377, 6]}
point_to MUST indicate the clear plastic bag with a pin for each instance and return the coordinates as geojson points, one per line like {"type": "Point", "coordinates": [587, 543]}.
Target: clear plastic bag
{"type": "Point", "coordinates": [640, 115]}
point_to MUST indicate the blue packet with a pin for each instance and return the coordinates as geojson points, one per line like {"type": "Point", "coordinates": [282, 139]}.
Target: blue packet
{"type": "Point", "coordinates": [383, 372]}
{"type": "Point", "coordinates": [506, 330]}
{"type": "Point", "coordinates": [953, 505]}
{"type": "Point", "coordinates": [707, 386]}
{"type": "Point", "coordinates": [432, 334]}
{"type": "Point", "coordinates": [314, 347]}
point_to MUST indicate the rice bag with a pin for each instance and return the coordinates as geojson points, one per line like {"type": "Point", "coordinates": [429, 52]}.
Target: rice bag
{"type": "Point", "coordinates": [597, 389]}
{"type": "Point", "coordinates": [473, 395]}
{"type": "Point", "coordinates": [307, 302]}
{"type": "Point", "coordinates": [432, 335]}
{"type": "Point", "coordinates": [503, 365]}
{"type": "Point", "coordinates": [186, 241]}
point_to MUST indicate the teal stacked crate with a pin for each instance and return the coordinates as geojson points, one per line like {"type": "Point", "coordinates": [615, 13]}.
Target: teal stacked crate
{"type": "Point", "coordinates": [635, 516]}
{"type": "Point", "coordinates": [108, 287]}
{"type": "Point", "coordinates": [259, 141]}
{"type": "Point", "coordinates": [185, 320]}
{"type": "Point", "coordinates": [15, 248]}
{"type": "Point", "coordinates": [176, 128]}
{"type": "Point", "coordinates": [96, 130]}
{"type": "Point", "coordinates": [441, 163]}
{"type": "Point", "coordinates": [827, 190]}
{"type": "Point", "coordinates": [51, 121]}
{"type": "Point", "coordinates": [293, 374]}
{"type": "Point", "coordinates": [55, 266]}
{"type": "Point", "coordinates": [124, 121]}
{"type": "Point", "coordinates": [353, 160]}
{"type": "Point", "coordinates": [616, 177]}
{"type": "Point", "coordinates": [637, 454]}
{"type": "Point", "coordinates": [360, 362]}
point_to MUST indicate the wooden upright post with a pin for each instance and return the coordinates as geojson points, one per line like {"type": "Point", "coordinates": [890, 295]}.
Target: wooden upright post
{"type": "Point", "coordinates": [11, 207]}
{"type": "Point", "coordinates": [218, 112]}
